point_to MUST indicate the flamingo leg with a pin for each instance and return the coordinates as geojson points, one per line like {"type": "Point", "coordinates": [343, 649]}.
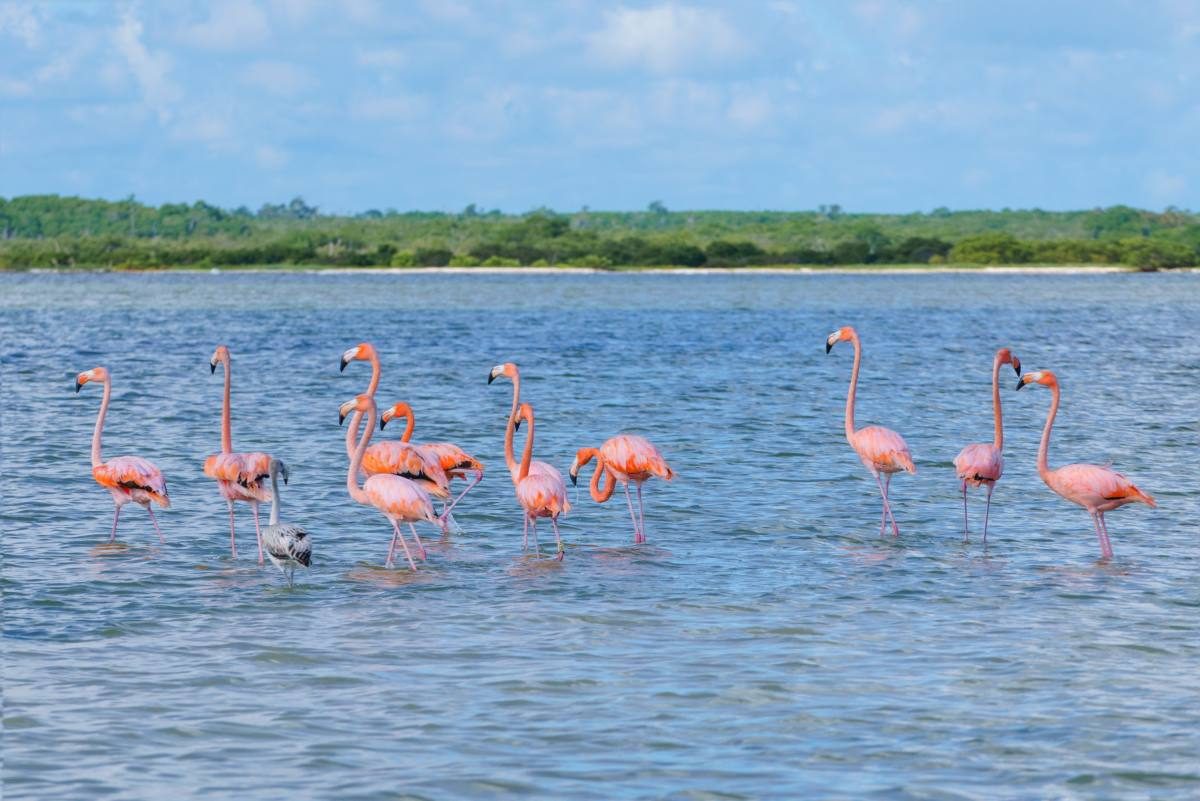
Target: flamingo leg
{"type": "Point", "coordinates": [525, 535]}
{"type": "Point", "coordinates": [558, 539]}
{"type": "Point", "coordinates": [404, 545]}
{"type": "Point", "coordinates": [966, 528]}
{"type": "Point", "coordinates": [986, 510]}
{"type": "Point", "coordinates": [257, 531]}
{"type": "Point", "coordinates": [452, 504]}
{"type": "Point", "coordinates": [887, 508]}
{"type": "Point", "coordinates": [392, 548]}
{"type": "Point", "coordinates": [533, 525]}
{"type": "Point", "coordinates": [116, 516]}
{"type": "Point", "coordinates": [420, 544]}
{"type": "Point", "coordinates": [641, 512]}
{"type": "Point", "coordinates": [157, 530]}
{"type": "Point", "coordinates": [637, 530]}
{"type": "Point", "coordinates": [232, 537]}
{"type": "Point", "coordinates": [1106, 544]}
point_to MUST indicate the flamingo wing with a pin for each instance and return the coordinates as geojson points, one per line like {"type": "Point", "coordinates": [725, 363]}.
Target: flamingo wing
{"type": "Point", "coordinates": [223, 466]}
{"type": "Point", "coordinates": [133, 473]}
{"type": "Point", "coordinates": [1094, 486]}
{"type": "Point", "coordinates": [543, 494]}
{"type": "Point", "coordinates": [883, 449]}
{"type": "Point", "coordinates": [407, 461]}
{"type": "Point", "coordinates": [634, 455]}
{"type": "Point", "coordinates": [979, 462]}
{"type": "Point", "coordinates": [285, 541]}
{"type": "Point", "coordinates": [451, 457]}
{"type": "Point", "coordinates": [399, 497]}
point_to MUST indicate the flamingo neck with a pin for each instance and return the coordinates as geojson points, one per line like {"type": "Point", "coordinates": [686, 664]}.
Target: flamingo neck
{"type": "Point", "coordinates": [527, 452]}
{"type": "Point", "coordinates": [408, 426]}
{"type": "Point", "coordinates": [98, 431]}
{"type": "Point", "coordinates": [999, 437]}
{"type": "Point", "coordinates": [509, 461]}
{"type": "Point", "coordinates": [375, 372]}
{"type": "Point", "coordinates": [226, 426]}
{"type": "Point", "coordinates": [600, 494]}
{"type": "Point", "coordinates": [356, 492]}
{"type": "Point", "coordinates": [274, 521]}
{"type": "Point", "coordinates": [853, 388]}
{"type": "Point", "coordinates": [1043, 462]}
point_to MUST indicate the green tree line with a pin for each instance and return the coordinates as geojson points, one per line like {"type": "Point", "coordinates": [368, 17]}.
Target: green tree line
{"type": "Point", "coordinates": [54, 231]}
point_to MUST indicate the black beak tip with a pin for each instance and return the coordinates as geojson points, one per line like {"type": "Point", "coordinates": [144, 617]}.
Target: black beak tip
{"type": "Point", "coordinates": [341, 418]}
{"type": "Point", "coordinates": [517, 426]}
{"type": "Point", "coordinates": [828, 347]}
{"type": "Point", "coordinates": [491, 377]}
{"type": "Point", "coordinates": [1017, 367]}
{"type": "Point", "coordinates": [78, 387]}
{"type": "Point", "coordinates": [342, 369]}
{"type": "Point", "coordinates": [574, 480]}
{"type": "Point", "coordinates": [212, 367]}
{"type": "Point", "coordinates": [1019, 385]}
{"type": "Point", "coordinates": [382, 423]}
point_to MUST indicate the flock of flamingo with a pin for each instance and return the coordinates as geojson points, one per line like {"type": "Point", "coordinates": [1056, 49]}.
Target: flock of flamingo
{"type": "Point", "coordinates": [403, 478]}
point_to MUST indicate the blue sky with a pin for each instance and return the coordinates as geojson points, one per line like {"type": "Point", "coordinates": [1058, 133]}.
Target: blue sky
{"type": "Point", "coordinates": [786, 104]}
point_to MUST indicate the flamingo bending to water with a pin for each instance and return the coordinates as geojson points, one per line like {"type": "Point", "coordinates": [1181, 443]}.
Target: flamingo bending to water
{"type": "Point", "coordinates": [127, 478]}
{"type": "Point", "coordinates": [240, 476]}
{"type": "Point", "coordinates": [287, 545]}
{"type": "Point", "coordinates": [541, 492]}
{"type": "Point", "coordinates": [625, 458]}
{"type": "Point", "coordinates": [880, 449]}
{"type": "Point", "coordinates": [453, 460]}
{"type": "Point", "coordinates": [398, 499]}
{"type": "Point", "coordinates": [1095, 488]}
{"type": "Point", "coordinates": [980, 463]}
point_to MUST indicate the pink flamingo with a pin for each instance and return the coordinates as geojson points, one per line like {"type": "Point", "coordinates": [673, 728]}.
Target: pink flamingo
{"type": "Point", "coordinates": [540, 492]}
{"type": "Point", "coordinates": [398, 499]}
{"type": "Point", "coordinates": [127, 478]}
{"type": "Point", "coordinates": [453, 460]}
{"type": "Point", "coordinates": [1095, 488]}
{"type": "Point", "coordinates": [625, 458]}
{"type": "Point", "coordinates": [880, 449]}
{"type": "Point", "coordinates": [510, 371]}
{"type": "Point", "coordinates": [980, 463]}
{"type": "Point", "coordinates": [240, 476]}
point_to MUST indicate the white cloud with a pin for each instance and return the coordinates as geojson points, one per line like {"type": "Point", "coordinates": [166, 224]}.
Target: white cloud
{"type": "Point", "coordinates": [384, 59]}
{"type": "Point", "coordinates": [233, 25]}
{"type": "Point", "coordinates": [270, 157]}
{"type": "Point", "coordinates": [278, 77]}
{"type": "Point", "coordinates": [749, 109]}
{"type": "Point", "coordinates": [207, 129]}
{"type": "Point", "coordinates": [293, 10]}
{"type": "Point", "coordinates": [19, 21]}
{"type": "Point", "coordinates": [150, 68]}
{"type": "Point", "coordinates": [1165, 187]}
{"type": "Point", "coordinates": [11, 87]}
{"type": "Point", "coordinates": [665, 38]}
{"type": "Point", "coordinates": [391, 107]}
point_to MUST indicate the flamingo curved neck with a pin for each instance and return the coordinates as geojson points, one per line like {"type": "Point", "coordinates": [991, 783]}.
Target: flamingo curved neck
{"type": "Point", "coordinates": [274, 521]}
{"type": "Point", "coordinates": [98, 431]}
{"type": "Point", "coordinates": [1043, 462]}
{"type": "Point", "coordinates": [409, 425]}
{"type": "Point", "coordinates": [601, 494]}
{"type": "Point", "coordinates": [999, 435]}
{"type": "Point", "coordinates": [226, 426]}
{"type": "Point", "coordinates": [375, 373]}
{"type": "Point", "coordinates": [527, 452]}
{"type": "Point", "coordinates": [356, 492]}
{"type": "Point", "coordinates": [509, 460]}
{"type": "Point", "coordinates": [853, 388]}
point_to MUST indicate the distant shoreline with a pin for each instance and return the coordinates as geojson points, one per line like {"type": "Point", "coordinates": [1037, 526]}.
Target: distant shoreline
{"type": "Point", "coordinates": [888, 269]}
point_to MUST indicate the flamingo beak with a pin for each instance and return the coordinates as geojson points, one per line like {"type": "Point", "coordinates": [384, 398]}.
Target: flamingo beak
{"type": "Point", "coordinates": [342, 415]}
{"type": "Point", "coordinates": [517, 425]}
{"type": "Point", "coordinates": [574, 479]}
{"type": "Point", "coordinates": [344, 362]}
{"type": "Point", "coordinates": [1016, 363]}
{"type": "Point", "coordinates": [1020, 383]}
{"type": "Point", "coordinates": [212, 367]}
{"type": "Point", "coordinates": [383, 422]}
{"type": "Point", "coordinates": [491, 376]}
{"type": "Point", "coordinates": [78, 386]}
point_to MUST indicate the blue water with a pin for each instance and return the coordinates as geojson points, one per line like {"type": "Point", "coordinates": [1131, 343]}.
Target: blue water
{"type": "Point", "coordinates": [765, 643]}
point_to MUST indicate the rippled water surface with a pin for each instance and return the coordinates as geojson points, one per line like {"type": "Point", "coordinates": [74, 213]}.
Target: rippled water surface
{"type": "Point", "coordinates": [766, 642]}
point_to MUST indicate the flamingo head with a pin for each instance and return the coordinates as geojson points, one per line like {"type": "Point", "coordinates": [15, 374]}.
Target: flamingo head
{"type": "Point", "coordinates": [220, 356]}
{"type": "Point", "coordinates": [845, 332]}
{"type": "Point", "coordinates": [398, 410]}
{"type": "Point", "coordinates": [95, 374]}
{"type": "Point", "coordinates": [1006, 356]}
{"type": "Point", "coordinates": [582, 457]}
{"type": "Point", "coordinates": [363, 351]}
{"type": "Point", "coordinates": [524, 412]}
{"type": "Point", "coordinates": [508, 370]}
{"type": "Point", "coordinates": [361, 403]}
{"type": "Point", "coordinates": [1043, 377]}
{"type": "Point", "coordinates": [278, 468]}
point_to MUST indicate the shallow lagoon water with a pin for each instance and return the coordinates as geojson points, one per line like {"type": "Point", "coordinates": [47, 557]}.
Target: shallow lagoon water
{"type": "Point", "coordinates": [766, 642]}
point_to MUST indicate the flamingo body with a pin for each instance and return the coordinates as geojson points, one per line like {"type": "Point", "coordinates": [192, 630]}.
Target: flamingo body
{"type": "Point", "coordinates": [398, 498]}
{"type": "Point", "coordinates": [240, 476]}
{"type": "Point", "coordinates": [882, 450]}
{"type": "Point", "coordinates": [979, 463]}
{"type": "Point", "coordinates": [407, 461]}
{"type": "Point", "coordinates": [632, 458]}
{"type": "Point", "coordinates": [1095, 488]}
{"type": "Point", "coordinates": [543, 493]}
{"type": "Point", "coordinates": [132, 479]}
